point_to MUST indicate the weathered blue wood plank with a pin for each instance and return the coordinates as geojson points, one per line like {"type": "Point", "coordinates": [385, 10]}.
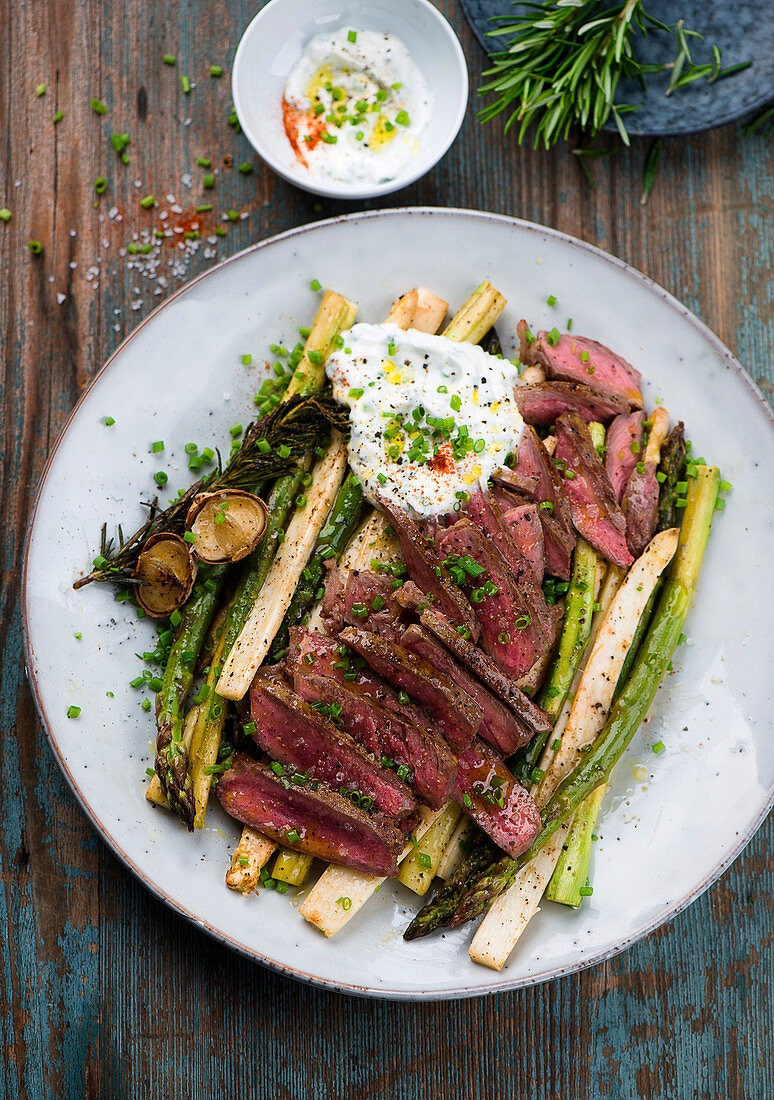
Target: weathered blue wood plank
{"type": "Point", "coordinates": [103, 992]}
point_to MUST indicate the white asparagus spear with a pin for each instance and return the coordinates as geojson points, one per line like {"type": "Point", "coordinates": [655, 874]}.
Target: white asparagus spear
{"type": "Point", "coordinates": [251, 855]}
{"type": "Point", "coordinates": [263, 622]}
{"type": "Point", "coordinates": [508, 917]}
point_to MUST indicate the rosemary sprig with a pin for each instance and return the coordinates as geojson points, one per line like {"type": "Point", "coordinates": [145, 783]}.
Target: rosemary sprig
{"type": "Point", "coordinates": [565, 60]}
{"type": "Point", "coordinates": [271, 447]}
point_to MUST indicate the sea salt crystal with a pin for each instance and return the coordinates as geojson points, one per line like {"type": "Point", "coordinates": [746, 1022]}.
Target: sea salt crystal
{"type": "Point", "coordinates": [61, 298]}
{"type": "Point", "coordinates": [187, 179]}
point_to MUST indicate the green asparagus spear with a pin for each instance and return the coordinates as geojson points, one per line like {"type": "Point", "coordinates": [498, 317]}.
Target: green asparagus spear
{"type": "Point", "coordinates": [634, 702]}
{"type": "Point", "coordinates": [571, 872]}
{"type": "Point", "coordinates": [579, 610]}
{"type": "Point", "coordinates": [671, 472]}
{"type": "Point", "coordinates": [440, 910]}
{"type": "Point", "coordinates": [342, 522]}
{"type": "Point", "coordinates": [171, 755]}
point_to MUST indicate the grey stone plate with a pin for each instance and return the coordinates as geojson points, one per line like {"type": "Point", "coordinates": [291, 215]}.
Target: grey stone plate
{"type": "Point", "coordinates": [744, 31]}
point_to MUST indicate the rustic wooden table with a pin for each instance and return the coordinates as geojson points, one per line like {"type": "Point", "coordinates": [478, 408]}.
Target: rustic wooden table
{"type": "Point", "coordinates": [103, 991]}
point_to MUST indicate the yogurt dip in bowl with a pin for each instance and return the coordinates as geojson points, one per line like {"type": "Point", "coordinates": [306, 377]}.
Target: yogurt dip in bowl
{"type": "Point", "coordinates": [350, 100]}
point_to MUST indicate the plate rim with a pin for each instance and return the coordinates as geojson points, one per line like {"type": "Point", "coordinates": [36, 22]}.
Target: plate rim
{"type": "Point", "coordinates": [459, 992]}
{"type": "Point", "coordinates": [674, 131]}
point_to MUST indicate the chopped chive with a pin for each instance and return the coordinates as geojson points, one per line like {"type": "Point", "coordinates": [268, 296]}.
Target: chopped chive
{"type": "Point", "coordinates": [160, 477]}
{"type": "Point", "coordinates": [554, 337]}
{"type": "Point", "coordinates": [208, 180]}
{"type": "Point", "coordinates": [344, 902]}
{"type": "Point", "coordinates": [100, 185]}
{"type": "Point", "coordinates": [245, 168]}
{"type": "Point", "coordinates": [40, 90]}
{"type": "Point", "coordinates": [551, 300]}
{"type": "Point", "coordinates": [585, 891]}
{"type": "Point", "coordinates": [58, 116]}
{"type": "Point", "coordinates": [35, 247]}
{"type": "Point", "coordinates": [216, 70]}
{"type": "Point", "coordinates": [293, 836]}
{"type": "Point", "coordinates": [73, 711]}
{"type": "Point", "coordinates": [351, 36]}
{"type": "Point", "coordinates": [355, 393]}
{"type": "Point", "coordinates": [169, 59]}
{"type": "Point", "coordinates": [185, 84]}
{"type": "Point", "coordinates": [5, 214]}
{"type": "Point", "coordinates": [658, 747]}
{"type": "Point", "coordinates": [204, 208]}
{"type": "Point", "coordinates": [235, 430]}
{"type": "Point", "coordinates": [203, 162]}
{"type": "Point", "coordinates": [148, 202]}
{"type": "Point", "coordinates": [232, 215]}
{"type": "Point", "coordinates": [402, 118]}
{"type": "Point", "coordinates": [109, 421]}
{"type": "Point", "coordinates": [98, 106]}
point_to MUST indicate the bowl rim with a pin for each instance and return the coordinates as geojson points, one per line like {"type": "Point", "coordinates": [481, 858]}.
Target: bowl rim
{"type": "Point", "coordinates": [332, 188]}
{"type": "Point", "coordinates": [113, 842]}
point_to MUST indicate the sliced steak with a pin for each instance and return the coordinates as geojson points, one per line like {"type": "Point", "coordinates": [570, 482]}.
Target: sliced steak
{"type": "Point", "coordinates": [487, 514]}
{"type": "Point", "coordinates": [369, 600]}
{"type": "Point", "coordinates": [328, 825]}
{"type": "Point", "coordinates": [623, 445]}
{"type": "Point", "coordinates": [385, 733]}
{"type": "Point", "coordinates": [495, 800]}
{"type": "Point", "coordinates": [543, 402]}
{"type": "Point", "coordinates": [477, 661]}
{"type": "Point", "coordinates": [425, 568]}
{"type": "Point", "coordinates": [329, 657]}
{"type": "Point", "coordinates": [527, 530]}
{"type": "Point", "coordinates": [290, 731]}
{"type": "Point", "coordinates": [533, 460]}
{"type": "Point", "coordinates": [458, 717]}
{"type": "Point", "coordinates": [499, 726]}
{"type": "Point", "coordinates": [511, 629]}
{"type": "Point", "coordinates": [578, 359]}
{"type": "Point", "coordinates": [595, 511]}
{"type": "Point", "coordinates": [640, 507]}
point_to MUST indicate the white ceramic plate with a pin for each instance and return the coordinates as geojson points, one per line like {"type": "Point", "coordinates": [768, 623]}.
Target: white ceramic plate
{"type": "Point", "coordinates": [275, 40]}
{"type": "Point", "coordinates": [179, 378]}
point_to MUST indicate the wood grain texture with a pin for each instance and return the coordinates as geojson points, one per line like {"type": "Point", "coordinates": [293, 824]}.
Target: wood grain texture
{"type": "Point", "coordinates": [103, 992]}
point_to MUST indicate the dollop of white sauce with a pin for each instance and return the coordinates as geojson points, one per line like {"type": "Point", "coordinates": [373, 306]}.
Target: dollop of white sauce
{"type": "Point", "coordinates": [358, 106]}
{"type": "Point", "coordinates": [430, 417]}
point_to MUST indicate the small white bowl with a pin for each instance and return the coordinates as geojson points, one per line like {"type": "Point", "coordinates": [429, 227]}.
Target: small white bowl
{"type": "Point", "coordinates": [276, 38]}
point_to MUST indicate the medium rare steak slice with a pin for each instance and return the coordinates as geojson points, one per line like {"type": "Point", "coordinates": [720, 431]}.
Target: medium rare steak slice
{"type": "Point", "coordinates": [543, 402]}
{"type": "Point", "coordinates": [385, 734]}
{"type": "Point", "coordinates": [458, 717]}
{"type": "Point", "coordinates": [369, 601]}
{"type": "Point", "coordinates": [487, 514]}
{"type": "Point", "coordinates": [532, 460]}
{"type": "Point", "coordinates": [595, 511]}
{"type": "Point", "coordinates": [318, 822]}
{"type": "Point", "coordinates": [426, 569]}
{"type": "Point", "coordinates": [527, 530]}
{"type": "Point", "coordinates": [500, 726]}
{"type": "Point", "coordinates": [495, 800]}
{"type": "Point", "coordinates": [511, 630]}
{"type": "Point", "coordinates": [578, 359]}
{"type": "Point", "coordinates": [476, 660]}
{"type": "Point", "coordinates": [623, 446]}
{"type": "Point", "coordinates": [640, 507]}
{"type": "Point", "coordinates": [290, 731]}
{"type": "Point", "coordinates": [329, 657]}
